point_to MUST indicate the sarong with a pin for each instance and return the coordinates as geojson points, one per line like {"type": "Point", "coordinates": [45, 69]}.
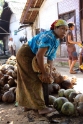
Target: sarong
{"type": "Point", "coordinates": [29, 92]}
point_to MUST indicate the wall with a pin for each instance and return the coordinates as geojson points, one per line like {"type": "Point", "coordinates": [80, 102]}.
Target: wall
{"type": "Point", "coordinates": [14, 25]}
{"type": "Point", "coordinates": [47, 15]}
{"type": "Point", "coordinates": [70, 5]}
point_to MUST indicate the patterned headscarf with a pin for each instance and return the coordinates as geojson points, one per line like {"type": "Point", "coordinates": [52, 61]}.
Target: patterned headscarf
{"type": "Point", "coordinates": [59, 22]}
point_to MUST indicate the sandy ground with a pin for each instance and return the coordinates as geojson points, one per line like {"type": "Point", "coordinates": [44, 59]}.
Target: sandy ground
{"type": "Point", "coordinates": [9, 114]}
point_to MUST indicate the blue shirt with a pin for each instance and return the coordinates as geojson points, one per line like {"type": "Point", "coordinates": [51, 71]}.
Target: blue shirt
{"type": "Point", "coordinates": [45, 39]}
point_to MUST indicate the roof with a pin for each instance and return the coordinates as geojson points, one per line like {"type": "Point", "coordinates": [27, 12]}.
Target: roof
{"type": "Point", "coordinates": [30, 11]}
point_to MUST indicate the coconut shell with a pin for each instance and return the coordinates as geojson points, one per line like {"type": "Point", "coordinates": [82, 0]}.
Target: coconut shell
{"type": "Point", "coordinates": [35, 65]}
{"type": "Point", "coordinates": [66, 84]}
{"type": "Point", "coordinates": [8, 97]}
{"type": "Point", "coordinates": [12, 58]}
{"type": "Point", "coordinates": [81, 98]}
{"type": "Point", "coordinates": [14, 75]}
{"type": "Point", "coordinates": [4, 68]}
{"type": "Point", "coordinates": [10, 67]}
{"type": "Point", "coordinates": [15, 69]}
{"type": "Point", "coordinates": [77, 98]}
{"type": "Point", "coordinates": [56, 88]}
{"type": "Point", "coordinates": [9, 72]}
{"type": "Point", "coordinates": [73, 81]}
{"type": "Point", "coordinates": [2, 82]}
{"type": "Point", "coordinates": [11, 62]}
{"type": "Point", "coordinates": [5, 78]}
{"type": "Point", "coordinates": [6, 87]}
{"type": "Point", "coordinates": [53, 88]}
{"type": "Point", "coordinates": [58, 79]}
{"type": "Point", "coordinates": [72, 96]}
{"type": "Point", "coordinates": [12, 89]}
{"type": "Point", "coordinates": [1, 74]}
{"type": "Point", "coordinates": [11, 82]}
{"type": "Point", "coordinates": [50, 80]}
{"type": "Point", "coordinates": [80, 108]}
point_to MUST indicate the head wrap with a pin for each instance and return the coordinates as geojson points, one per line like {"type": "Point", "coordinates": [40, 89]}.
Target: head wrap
{"type": "Point", "coordinates": [59, 22]}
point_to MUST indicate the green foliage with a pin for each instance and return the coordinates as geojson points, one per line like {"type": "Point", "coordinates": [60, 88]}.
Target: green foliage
{"type": "Point", "coordinates": [0, 10]}
{"type": "Point", "coordinates": [1, 2]}
{"type": "Point", "coordinates": [1, 6]}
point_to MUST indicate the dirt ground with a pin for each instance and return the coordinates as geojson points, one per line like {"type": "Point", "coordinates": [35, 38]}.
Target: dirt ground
{"type": "Point", "coordinates": [9, 114]}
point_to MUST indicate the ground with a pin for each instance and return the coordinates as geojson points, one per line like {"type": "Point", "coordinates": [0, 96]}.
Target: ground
{"type": "Point", "coordinates": [9, 114]}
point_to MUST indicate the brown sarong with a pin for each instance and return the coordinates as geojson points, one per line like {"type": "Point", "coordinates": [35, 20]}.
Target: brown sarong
{"type": "Point", "coordinates": [29, 91]}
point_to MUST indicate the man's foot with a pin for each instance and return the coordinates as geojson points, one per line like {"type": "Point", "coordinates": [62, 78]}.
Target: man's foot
{"type": "Point", "coordinates": [46, 110]}
{"type": "Point", "coordinates": [73, 72]}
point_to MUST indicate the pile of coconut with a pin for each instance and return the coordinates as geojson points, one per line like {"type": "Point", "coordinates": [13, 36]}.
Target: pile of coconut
{"type": "Point", "coordinates": [8, 80]}
{"type": "Point", "coordinates": [67, 102]}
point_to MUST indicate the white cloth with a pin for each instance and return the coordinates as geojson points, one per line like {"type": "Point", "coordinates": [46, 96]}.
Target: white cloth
{"type": "Point", "coordinates": [12, 44]}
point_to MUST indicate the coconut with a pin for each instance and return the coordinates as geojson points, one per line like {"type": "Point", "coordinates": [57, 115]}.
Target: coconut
{"type": "Point", "coordinates": [67, 92]}
{"type": "Point", "coordinates": [2, 82]}
{"type": "Point", "coordinates": [9, 72]}
{"type": "Point", "coordinates": [12, 89]}
{"type": "Point", "coordinates": [4, 68]}
{"type": "Point", "coordinates": [56, 87]}
{"type": "Point", "coordinates": [72, 96]}
{"type": "Point", "coordinates": [68, 108]}
{"type": "Point", "coordinates": [53, 88]}
{"type": "Point", "coordinates": [5, 78]}
{"type": "Point", "coordinates": [80, 108]}
{"type": "Point", "coordinates": [59, 102]}
{"type": "Point", "coordinates": [61, 92]}
{"type": "Point", "coordinates": [10, 67]}
{"type": "Point", "coordinates": [73, 80]}
{"type": "Point", "coordinates": [8, 97]}
{"type": "Point", "coordinates": [14, 75]}
{"type": "Point", "coordinates": [58, 79]}
{"type": "Point", "coordinates": [15, 69]}
{"type": "Point", "coordinates": [65, 77]}
{"type": "Point", "coordinates": [81, 98]}
{"type": "Point", "coordinates": [77, 98]}
{"type": "Point", "coordinates": [1, 74]}
{"type": "Point", "coordinates": [6, 87]}
{"type": "Point", "coordinates": [51, 99]}
{"type": "Point", "coordinates": [11, 82]}
{"type": "Point", "coordinates": [11, 62]}
{"type": "Point", "coordinates": [66, 84]}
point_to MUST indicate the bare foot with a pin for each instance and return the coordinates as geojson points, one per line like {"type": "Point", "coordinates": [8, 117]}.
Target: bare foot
{"type": "Point", "coordinates": [46, 110]}
{"type": "Point", "coordinates": [73, 72]}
